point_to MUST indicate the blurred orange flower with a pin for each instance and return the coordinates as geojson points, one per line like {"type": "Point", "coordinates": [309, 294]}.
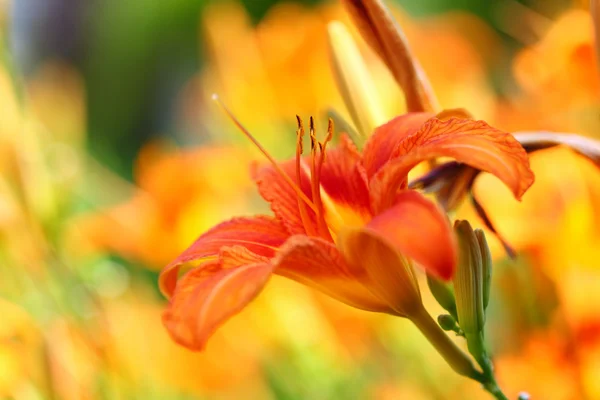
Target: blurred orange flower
{"type": "Point", "coordinates": [559, 80]}
{"type": "Point", "coordinates": [178, 193]}
{"type": "Point", "coordinates": [20, 347]}
{"type": "Point", "coordinates": [287, 52]}
{"type": "Point", "coordinates": [340, 226]}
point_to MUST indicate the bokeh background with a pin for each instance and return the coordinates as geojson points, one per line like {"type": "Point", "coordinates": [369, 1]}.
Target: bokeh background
{"type": "Point", "coordinates": [113, 158]}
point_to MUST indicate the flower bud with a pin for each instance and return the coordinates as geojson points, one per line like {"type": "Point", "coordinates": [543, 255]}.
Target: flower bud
{"type": "Point", "coordinates": [443, 293]}
{"type": "Point", "coordinates": [447, 322]}
{"type": "Point", "coordinates": [595, 12]}
{"type": "Point", "coordinates": [468, 280]}
{"type": "Point", "coordinates": [486, 263]}
{"type": "Point", "coordinates": [380, 30]}
{"type": "Point", "coordinates": [353, 80]}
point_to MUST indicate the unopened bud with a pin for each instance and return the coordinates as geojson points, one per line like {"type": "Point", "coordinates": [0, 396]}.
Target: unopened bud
{"type": "Point", "coordinates": [447, 322]}
{"type": "Point", "coordinates": [468, 280]}
{"type": "Point", "coordinates": [353, 80]}
{"type": "Point", "coordinates": [595, 13]}
{"type": "Point", "coordinates": [380, 30]}
{"type": "Point", "coordinates": [443, 293]}
{"type": "Point", "coordinates": [486, 263]}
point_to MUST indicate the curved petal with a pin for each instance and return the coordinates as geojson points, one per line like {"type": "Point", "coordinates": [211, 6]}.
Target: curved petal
{"type": "Point", "coordinates": [474, 143]}
{"type": "Point", "coordinates": [318, 263]}
{"type": "Point", "coordinates": [282, 197]}
{"type": "Point", "coordinates": [418, 229]}
{"type": "Point", "coordinates": [587, 147]}
{"type": "Point", "coordinates": [344, 181]}
{"type": "Point", "coordinates": [206, 297]}
{"type": "Point", "coordinates": [260, 235]}
{"type": "Point", "coordinates": [383, 143]}
{"type": "Point", "coordinates": [390, 274]}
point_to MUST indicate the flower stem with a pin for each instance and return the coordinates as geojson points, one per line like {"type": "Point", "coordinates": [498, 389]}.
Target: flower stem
{"type": "Point", "coordinates": [477, 349]}
{"type": "Point", "coordinates": [490, 384]}
{"type": "Point", "coordinates": [453, 355]}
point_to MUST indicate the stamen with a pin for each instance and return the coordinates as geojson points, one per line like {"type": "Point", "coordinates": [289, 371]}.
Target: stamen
{"type": "Point", "coordinates": [300, 134]}
{"type": "Point", "coordinates": [315, 173]}
{"type": "Point", "coordinates": [313, 135]}
{"type": "Point", "coordinates": [283, 174]}
{"type": "Point", "coordinates": [308, 226]}
{"type": "Point", "coordinates": [328, 138]}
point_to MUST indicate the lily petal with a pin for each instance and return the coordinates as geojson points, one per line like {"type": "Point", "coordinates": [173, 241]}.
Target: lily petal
{"type": "Point", "coordinates": [282, 197]}
{"type": "Point", "coordinates": [390, 274]}
{"type": "Point", "coordinates": [418, 229]}
{"type": "Point", "coordinates": [318, 263]}
{"type": "Point", "coordinates": [474, 143]}
{"type": "Point", "coordinates": [260, 235]}
{"type": "Point", "coordinates": [207, 296]}
{"type": "Point", "coordinates": [344, 179]}
{"type": "Point", "coordinates": [384, 141]}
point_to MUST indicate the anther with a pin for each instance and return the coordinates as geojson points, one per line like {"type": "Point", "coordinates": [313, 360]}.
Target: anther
{"type": "Point", "coordinates": [300, 135]}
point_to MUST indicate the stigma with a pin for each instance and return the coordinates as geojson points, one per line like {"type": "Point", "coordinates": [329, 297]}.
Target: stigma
{"type": "Point", "coordinates": [310, 205]}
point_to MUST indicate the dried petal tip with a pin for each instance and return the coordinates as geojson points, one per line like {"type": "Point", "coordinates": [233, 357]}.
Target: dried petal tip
{"type": "Point", "coordinates": [381, 31]}
{"type": "Point", "coordinates": [595, 11]}
{"type": "Point", "coordinates": [534, 141]}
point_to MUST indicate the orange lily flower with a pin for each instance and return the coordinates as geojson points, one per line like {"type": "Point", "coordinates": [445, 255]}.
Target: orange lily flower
{"type": "Point", "coordinates": [345, 224]}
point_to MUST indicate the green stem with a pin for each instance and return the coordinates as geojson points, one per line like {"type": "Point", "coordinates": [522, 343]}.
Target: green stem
{"type": "Point", "coordinates": [491, 385]}
{"type": "Point", "coordinates": [476, 345]}
{"type": "Point", "coordinates": [453, 355]}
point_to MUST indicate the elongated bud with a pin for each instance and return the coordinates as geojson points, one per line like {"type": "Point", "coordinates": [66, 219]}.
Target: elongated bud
{"type": "Point", "coordinates": [381, 31]}
{"type": "Point", "coordinates": [354, 81]}
{"type": "Point", "coordinates": [595, 12]}
{"type": "Point", "coordinates": [468, 280]}
{"type": "Point", "coordinates": [443, 293]}
{"type": "Point", "coordinates": [486, 263]}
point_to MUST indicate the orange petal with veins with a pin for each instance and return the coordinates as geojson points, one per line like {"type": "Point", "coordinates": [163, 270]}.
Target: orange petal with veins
{"type": "Point", "coordinates": [474, 143]}
{"type": "Point", "coordinates": [319, 264]}
{"type": "Point", "coordinates": [389, 272]}
{"type": "Point", "coordinates": [260, 235]}
{"type": "Point", "coordinates": [418, 229]}
{"type": "Point", "coordinates": [207, 296]}
{"type": "Point", "coordinates": [344, 179]}
{"type": "Point", "coordinates": [383, 143]}
{"type": "Point", "coordinates": [282, 197]}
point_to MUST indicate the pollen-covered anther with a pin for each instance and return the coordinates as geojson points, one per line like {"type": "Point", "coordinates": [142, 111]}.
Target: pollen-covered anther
{"type": "Point", "coordinates": [323, 145]}
{"type": "Point", "coordinates": [299, 135]}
